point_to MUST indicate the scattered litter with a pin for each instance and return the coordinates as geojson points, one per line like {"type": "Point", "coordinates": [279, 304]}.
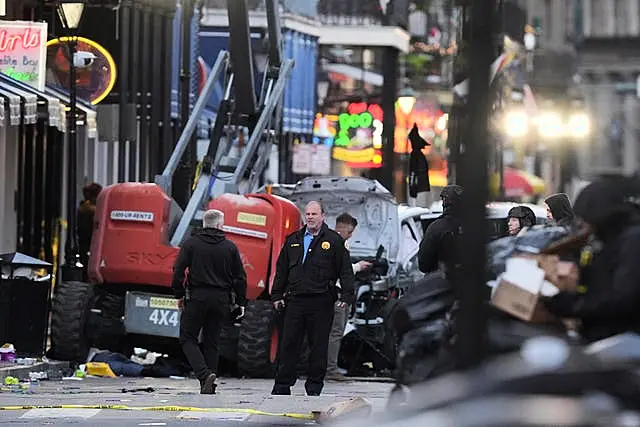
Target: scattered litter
{"type": "Point", "coordinates": [72, 379]}
{"type": "Point", "coordinates": [99, 369]}
{"type": "Point", "coordinates": [8, 353]}
{"type": "Point", "coordinates": [11, 381]}
{"type": "Point", "coordinates": [137, 390]}
{"type": "Point", "coordinates": [175, 377]}
{"type": "Point", "coordinates": [164, 401]}
{"type": "Point", "coordinates": [38, 375]}
{"type": "Point", "coordinates": [26, 361]}
{"type": "Point", "coordinates": [357, 407]}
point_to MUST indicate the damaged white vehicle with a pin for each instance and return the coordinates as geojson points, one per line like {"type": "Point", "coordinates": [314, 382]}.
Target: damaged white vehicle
{"type": "Point", "coordinates": [388, 235]}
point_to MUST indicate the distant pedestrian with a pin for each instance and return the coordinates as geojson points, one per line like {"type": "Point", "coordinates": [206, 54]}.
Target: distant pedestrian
{"type": "Point", "coordinates": [85, 227]}
{"type": "Point", "coordinates": [215, 272]}
{"type": "Point", "coordinates": [310, 262]}
{"type": "Point", "coordinates": [559, 210]}
{"type": "Point", "coordinates": [345, 226]}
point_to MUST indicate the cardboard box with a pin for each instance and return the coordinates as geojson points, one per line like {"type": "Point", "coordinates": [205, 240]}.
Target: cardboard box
{"type": "Point", "coordinates": [520, 303]}
{"type": "Point", "coordinates": [519, 289]}
{"type": "Point", "coordinates": [548, 264]}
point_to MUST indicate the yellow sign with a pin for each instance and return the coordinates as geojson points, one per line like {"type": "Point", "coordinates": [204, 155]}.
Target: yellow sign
{"type": "Point", "coordinates": [325, 245]}
{"type": "Point", "coordinates": [155, 302]}
{"type": "Point", "coordinates": [355, 156]}
{"type": "Point", "coordinates": [253, 219]}
{"type": "Point", "coordinates": [95, 68]}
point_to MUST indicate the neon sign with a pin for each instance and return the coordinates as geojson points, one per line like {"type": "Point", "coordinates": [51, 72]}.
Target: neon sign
{"type": "Point", "coordinates": [95, 78]}
{"type": "Point", "coordinates": [359, 137]}
{"type": "Point", "coordinates": [23, 51]}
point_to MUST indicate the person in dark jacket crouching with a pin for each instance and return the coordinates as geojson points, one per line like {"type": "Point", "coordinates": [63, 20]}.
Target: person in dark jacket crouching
{"type": "Point", "coordinates": [609, 207]}
{"type": "Point", "coordinates": [215, 272]}
{"type": "Point", "coordinates": [310, 262]}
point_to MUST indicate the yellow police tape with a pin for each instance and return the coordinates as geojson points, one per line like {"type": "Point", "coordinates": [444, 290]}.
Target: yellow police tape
{"type": "Point", "coordinates": [160, 408]}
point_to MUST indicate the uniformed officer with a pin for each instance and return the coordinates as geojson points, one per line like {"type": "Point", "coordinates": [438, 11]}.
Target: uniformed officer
{"type": "Point", "coordinates": [310, 262]}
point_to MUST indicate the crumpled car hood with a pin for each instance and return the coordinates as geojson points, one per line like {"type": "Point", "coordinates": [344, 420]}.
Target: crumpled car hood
{"type": "Point", "coordinates": [366, 200]}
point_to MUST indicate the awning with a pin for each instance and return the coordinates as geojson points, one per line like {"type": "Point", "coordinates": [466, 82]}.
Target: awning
{"type": "Point", "coordinates": [518, 183]}
{"type": "Point", "coordinates": [22, 111]}
{"type": "Point", "coordinates": [355, 73]}
{"type": "Point", "coordinates": [51, 103]}
{"type": "Point", "coordinates": [86, 108]}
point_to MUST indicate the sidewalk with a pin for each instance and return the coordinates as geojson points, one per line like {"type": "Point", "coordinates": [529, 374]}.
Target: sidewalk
{"type": "Point", "coordinates": [55, 369]}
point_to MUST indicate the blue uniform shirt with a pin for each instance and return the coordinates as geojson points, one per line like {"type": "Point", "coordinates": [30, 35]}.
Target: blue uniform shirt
{"type": "Point", "coordinates": [308, 238]}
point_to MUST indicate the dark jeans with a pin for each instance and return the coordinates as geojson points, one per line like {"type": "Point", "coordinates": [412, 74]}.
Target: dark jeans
{"type": "Point", "coordinates": [311, 315]}
{"type": "Point", "coordinates": [206, 310]}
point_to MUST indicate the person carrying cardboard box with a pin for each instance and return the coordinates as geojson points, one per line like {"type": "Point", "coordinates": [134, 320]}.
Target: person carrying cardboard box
{"type": "Point", "coordinates": [610, 306]}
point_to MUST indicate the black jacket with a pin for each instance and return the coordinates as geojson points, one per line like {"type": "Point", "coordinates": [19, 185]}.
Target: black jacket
{"type": "Point", "coordinates": [327, 261]}
{"type": "Point", "coordinates": [213, 262]}
{"type": "Point", "coordinates": [441, 244]}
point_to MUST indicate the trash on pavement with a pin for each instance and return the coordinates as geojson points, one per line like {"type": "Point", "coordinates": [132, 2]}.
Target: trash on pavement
{"type": "Point", "coordinates": [357, 407]}
{"type": "Point", "coordinates": [99, 369]}
{"type": "Point", "coordinates": [8, 353]}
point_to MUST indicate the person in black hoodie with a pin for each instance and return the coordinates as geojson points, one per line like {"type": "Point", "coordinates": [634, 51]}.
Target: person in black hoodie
{"type": "Point", "coordinates": [559, 210]}
{"type": "Point", "coordinates": [609, 208]}
{"type": "Point", "coordinates": [440, 248]}
{"type": "Point", "coordinates": [215, 272]}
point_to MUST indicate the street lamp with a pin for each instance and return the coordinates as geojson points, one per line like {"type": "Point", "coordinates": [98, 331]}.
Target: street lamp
{"type": "Point", "coordinates": [70, 14]}
{"type": "Point", "coordinates": [550, 125]}
{"type": "Point", "coordinates": [579, 125]}
{"type": "Point", "coordinates": [406, 101]}
{"type": "Point", "coordinates": [516, 123]}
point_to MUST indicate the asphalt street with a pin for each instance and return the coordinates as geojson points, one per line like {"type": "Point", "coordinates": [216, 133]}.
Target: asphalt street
{"type": "Point", "coordinates": [175, 402]}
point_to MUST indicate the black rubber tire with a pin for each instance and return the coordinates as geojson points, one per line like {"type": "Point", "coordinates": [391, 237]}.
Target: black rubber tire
{"type": "Point", "coordinates": [254, 340]}
{"type": "Point", "coordinates": [70, 310]}
{"type": "Point", "coordinates": [107, 328]}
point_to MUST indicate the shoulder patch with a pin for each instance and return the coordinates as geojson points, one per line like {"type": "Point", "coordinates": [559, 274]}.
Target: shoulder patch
{"type": "Point", "coordinates": [325, 245]}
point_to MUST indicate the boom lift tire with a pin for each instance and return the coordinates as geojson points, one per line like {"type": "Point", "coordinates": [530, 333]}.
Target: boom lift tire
{"type": "Point", "coordinates": [254, 340]}
{"type": "Point", "coordinates": [70, 310]}
{"type": "Point", "coordinates": [108, 331]}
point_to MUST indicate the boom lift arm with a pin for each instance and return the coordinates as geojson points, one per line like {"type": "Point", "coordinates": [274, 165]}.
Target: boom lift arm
{"type": "Point", "coordinates": [221, 171]}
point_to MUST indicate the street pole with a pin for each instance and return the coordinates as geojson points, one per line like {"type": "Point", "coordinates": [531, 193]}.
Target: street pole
{"type": "Point", "coordinates": [69, 271]}
{"type": "Point", "coordinates": [123, 78]}
{"type": "Point", "coordinates": [473, 171]}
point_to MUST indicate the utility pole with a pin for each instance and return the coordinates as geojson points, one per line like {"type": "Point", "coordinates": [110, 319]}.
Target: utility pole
{"type": "Point", "coordinates": [473, 172]}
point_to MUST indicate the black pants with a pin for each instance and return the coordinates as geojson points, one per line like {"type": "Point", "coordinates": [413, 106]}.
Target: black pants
{"type": "Point", "coordinates": [207, 310]}
{"type": "Point", "coordinates": [311, 315]}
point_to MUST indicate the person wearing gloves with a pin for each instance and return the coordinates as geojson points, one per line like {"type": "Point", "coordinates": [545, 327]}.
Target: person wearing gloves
{"type": "Point", "coordinates": [215, 274]}
{"type": "Point", "coordinates": [609, 209]}
{"type": "Point", "coordinates": [345, 226]}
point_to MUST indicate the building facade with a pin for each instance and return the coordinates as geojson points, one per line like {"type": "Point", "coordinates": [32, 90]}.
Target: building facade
{"type": "Point", "coordinates": [608, 32]}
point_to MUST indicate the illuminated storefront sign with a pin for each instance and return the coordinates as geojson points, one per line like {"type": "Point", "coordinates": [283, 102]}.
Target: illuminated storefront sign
{"type": "Point", "coordinates": [95, 68]}
{"type": "Point", "coordinates": [324, 129]}
{"type": "Point", "coordinates": [23, 51]}
{"type": "Point", "coordinates": [359, 136]}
